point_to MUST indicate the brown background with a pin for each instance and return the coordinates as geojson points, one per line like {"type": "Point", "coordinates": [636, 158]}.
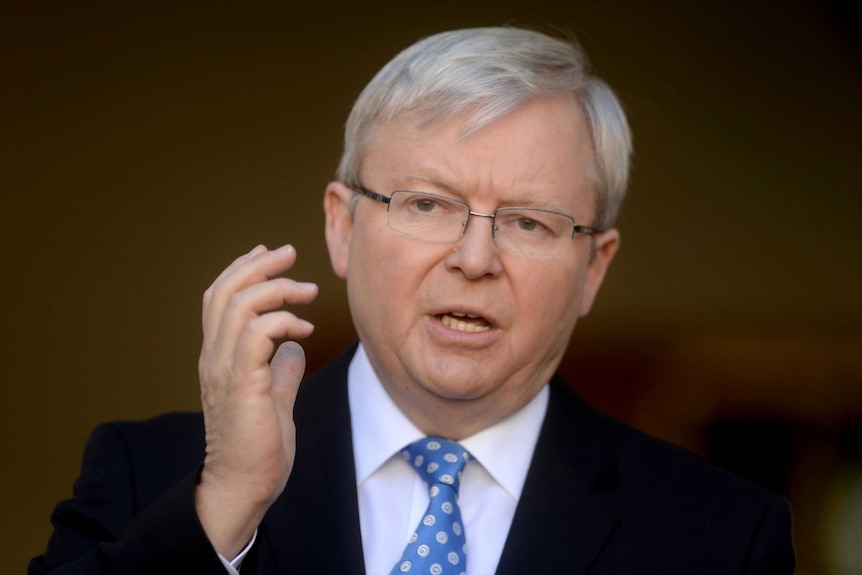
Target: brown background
{"type": "Point", "coordinates": [144, 147]}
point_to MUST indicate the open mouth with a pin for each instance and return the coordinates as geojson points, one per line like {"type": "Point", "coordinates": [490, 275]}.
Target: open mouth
{"type": "Point", "coordinates": [465, 322]}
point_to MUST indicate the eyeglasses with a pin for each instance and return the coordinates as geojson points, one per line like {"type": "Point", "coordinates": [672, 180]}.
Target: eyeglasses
{"type": "Point", "coordinates": [435, 218]}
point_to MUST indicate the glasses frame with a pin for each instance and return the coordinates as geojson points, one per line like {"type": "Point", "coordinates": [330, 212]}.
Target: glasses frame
{"type": "Point", "coordinates": [576, 228]}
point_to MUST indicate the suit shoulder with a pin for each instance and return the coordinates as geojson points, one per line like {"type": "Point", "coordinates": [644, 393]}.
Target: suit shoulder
{"type": "Point", "coordinates": [176, 427]}
{"type": "Point", "coordinates": [652, 470]}
{"type": "Point", "coordinates": [641, 456]}
{"type": "Point", "coordinates": [157, 452]}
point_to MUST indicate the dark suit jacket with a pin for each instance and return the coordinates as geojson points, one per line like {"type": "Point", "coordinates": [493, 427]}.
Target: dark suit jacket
{"type": "Point", "coordinates": [600, 498]}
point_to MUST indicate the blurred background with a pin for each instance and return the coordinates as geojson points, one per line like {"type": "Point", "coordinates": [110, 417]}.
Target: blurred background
{"type": "Point", "coordinates": [145, 145]}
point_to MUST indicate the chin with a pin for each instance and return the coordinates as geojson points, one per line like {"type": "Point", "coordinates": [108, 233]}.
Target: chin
{"type": "Point", "coordinates": [458, 384]}
{"type": "Point", "coordinates": [457, 391]}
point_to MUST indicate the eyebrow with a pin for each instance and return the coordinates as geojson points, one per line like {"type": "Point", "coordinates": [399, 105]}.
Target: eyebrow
{"type": "Point", "coordinates": [406, 180]}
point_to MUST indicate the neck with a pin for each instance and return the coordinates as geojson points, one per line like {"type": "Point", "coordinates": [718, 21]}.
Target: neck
{"type": "Point", "coordinates": [456, 418]}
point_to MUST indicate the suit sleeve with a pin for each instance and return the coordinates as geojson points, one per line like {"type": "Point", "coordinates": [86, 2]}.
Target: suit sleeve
{"type": "Point", "coordinates": [771, 550]}
{"type": "Point", "coordinates": [109, 527]}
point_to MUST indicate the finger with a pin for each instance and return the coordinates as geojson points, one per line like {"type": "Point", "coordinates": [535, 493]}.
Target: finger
{"type": "Point", "coordinates": [259, 264]}
{"type": "Point", "coordinates": [252, 302]}
{"type": "Point", "coordinates": [260, 248]}
{"type": "Point", "coordinates": [288, 367]}
{"type": "Point", "coordinates": [255, 347]}
{"type": "Point", "coordinates": [256, 266]}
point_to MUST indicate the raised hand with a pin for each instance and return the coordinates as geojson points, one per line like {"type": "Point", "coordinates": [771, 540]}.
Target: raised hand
{"type": "Point", "coordinates": [248, 388]}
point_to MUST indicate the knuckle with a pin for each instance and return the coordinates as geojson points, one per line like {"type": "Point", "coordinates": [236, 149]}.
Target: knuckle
{"type": "Point", "coordinates": [237, 301]}
{"type": "Point", "coordinates": [257, 326]}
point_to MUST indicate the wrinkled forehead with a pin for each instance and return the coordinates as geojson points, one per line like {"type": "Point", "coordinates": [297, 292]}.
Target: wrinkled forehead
{"type": "Point", "coordinates": [539, 155]}
{"type": "Point", "coordinates": [426, 118]}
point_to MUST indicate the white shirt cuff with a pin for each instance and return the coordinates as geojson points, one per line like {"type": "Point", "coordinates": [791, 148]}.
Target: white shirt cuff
{"type": "Point", "coordinates": [232, 567]}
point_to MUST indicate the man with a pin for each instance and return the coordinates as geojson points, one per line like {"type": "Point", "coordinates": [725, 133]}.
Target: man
{"type": "Point", "coordinates": [472, 219]}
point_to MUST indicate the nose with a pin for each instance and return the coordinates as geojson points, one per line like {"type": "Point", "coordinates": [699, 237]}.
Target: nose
{"type": "Point", "coordinates": [476, 254]}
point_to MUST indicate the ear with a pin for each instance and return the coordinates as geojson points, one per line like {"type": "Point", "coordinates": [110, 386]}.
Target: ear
{"type": "Point", "coordinates": [339, 225]}
{"type": "Point", "coordinates": [606, 245]}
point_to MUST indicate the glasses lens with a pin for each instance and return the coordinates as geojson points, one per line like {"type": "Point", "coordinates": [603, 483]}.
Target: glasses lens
{"type": "Point", "coordinates": [436, 218]}
{"type": "Point", "coordinates": [427, 216]}
{"type": "Point", "coordinates": [533, 232]}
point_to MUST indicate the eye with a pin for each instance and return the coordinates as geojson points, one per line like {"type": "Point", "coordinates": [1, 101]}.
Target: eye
{"type": "Point", "coordinates": [528, 225]}
{"type": "Point", "coordinates": [533, 223]}
{"type": "Point", "coordinates": [425, 204]}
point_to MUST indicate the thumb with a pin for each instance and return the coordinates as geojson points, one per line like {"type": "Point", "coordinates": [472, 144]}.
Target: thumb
{"type": "Point", "coordinates": [288, 367]}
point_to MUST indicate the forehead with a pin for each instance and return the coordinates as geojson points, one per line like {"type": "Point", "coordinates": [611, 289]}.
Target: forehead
{"type": "Point", "coordinates": [540, 153]}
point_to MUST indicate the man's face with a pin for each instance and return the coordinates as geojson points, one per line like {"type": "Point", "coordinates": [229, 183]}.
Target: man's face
{"type": "Point", "coordinates": [417, 304]}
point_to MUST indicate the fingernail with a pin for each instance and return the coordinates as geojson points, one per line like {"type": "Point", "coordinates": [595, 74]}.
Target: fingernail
{"type": "Point", "coordinates": [283, 250]}
{"type": "Point", "coordinates": [306, 285]}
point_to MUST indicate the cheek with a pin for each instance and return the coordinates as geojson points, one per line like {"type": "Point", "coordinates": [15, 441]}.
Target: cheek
{"type": "Point", "coordinates": [370, 270]}
{"type": "Point", "coordinates": [384, 277]}
{"type": "Point", "coordinates": [548, 302]}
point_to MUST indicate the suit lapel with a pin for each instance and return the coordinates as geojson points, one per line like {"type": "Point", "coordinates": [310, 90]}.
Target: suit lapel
{"type": "Point", "coordinates": [568, 507]}
{"type": "Point", "coordinates": [567, 510]}
{"type": "Point", "coordinates": [314, 526]}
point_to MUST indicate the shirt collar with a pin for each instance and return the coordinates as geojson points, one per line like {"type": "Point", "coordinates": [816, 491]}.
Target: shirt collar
{"type": "Point", "coordinates": [381, 430]}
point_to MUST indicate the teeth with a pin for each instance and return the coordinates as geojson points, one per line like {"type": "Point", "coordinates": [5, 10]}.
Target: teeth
{"type": "Point", "coordinates": [462, 314]}
{"type": "Point", "coordinates": [450, 320]}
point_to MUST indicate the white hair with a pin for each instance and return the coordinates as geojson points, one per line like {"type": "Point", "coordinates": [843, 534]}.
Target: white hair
{"type": "Point", "coordinates": [487, 73]}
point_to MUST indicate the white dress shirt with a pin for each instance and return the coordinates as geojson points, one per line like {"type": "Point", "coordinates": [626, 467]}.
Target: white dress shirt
{"type": "Point", "coordinates": [392, 496]}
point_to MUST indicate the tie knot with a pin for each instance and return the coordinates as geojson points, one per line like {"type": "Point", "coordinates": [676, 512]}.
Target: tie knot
{"type": "Point", "coordinates": [437, 461]}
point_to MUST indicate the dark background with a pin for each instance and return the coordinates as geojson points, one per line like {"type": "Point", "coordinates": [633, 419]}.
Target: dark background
{"type": "Point", "coordinates": [145, 145]}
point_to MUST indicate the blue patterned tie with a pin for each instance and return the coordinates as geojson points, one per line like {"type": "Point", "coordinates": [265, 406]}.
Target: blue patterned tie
{"type": "Point", "coordinates": [438, 546]}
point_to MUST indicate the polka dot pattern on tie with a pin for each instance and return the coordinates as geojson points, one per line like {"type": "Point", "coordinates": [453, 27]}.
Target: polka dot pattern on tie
{"type": "Point", "coordinates": [438, 546]}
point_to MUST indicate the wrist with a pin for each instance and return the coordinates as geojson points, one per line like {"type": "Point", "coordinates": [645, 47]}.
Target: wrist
{"type": "Point", "coordinates": [228, 519]}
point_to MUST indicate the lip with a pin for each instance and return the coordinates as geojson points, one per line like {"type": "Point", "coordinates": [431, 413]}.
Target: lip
{"type": "Point", "coordinates": [440, 328]}
{"type": "Point", "coordinates": [464, 322]}
{"type": "Point", "coordinates": [465, 312]}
